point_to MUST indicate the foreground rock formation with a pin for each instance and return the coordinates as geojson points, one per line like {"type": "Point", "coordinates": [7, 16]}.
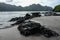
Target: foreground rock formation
{"type": "Point", "coordinates": [26, 17]}
{"type": "Point", "coordinates": [27, 28]}
{"type": "Point", "coordinates": [30, 28]}
{"type": "Point", "coordinates": [51, 22]}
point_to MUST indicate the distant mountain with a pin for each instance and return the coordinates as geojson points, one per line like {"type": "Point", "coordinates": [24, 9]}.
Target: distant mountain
{"type": "Point", "coordinates": [38, 7]}
{"type": "Point", "coordinates": [33, 7]}
{"type": "Point", "coordinates": [7, 7]}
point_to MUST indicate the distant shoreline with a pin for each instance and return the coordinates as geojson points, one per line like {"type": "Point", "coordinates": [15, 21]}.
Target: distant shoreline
{"type": "Point", "coordinates": [14, 11]}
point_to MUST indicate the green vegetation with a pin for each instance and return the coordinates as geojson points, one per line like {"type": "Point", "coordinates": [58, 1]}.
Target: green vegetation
{"type": "Point", "coordinates": [57, 8]}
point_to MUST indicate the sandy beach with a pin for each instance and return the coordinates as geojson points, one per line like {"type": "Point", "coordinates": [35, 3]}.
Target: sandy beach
{"type": "Point", "coordinates": [51, 22]}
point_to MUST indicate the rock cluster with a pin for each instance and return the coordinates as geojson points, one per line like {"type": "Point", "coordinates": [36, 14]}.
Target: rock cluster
{"type": "Point", "coordinates": [27, 27]}
{"type": "Point", "coordinates": [31, 28]}
{"type": "Point", "coordinates": [22, 19]}
{"type": "Point", "coordinates": [15, 19]}
{"type": "Point", "coordinates": [26, 17]}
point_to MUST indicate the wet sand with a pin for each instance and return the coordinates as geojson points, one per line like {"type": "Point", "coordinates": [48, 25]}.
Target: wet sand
{"type": "Point", "coordinates": [51, 22]}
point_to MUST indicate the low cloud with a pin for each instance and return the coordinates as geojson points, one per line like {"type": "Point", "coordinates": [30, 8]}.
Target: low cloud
{"type": "Point", "coordinates": [9, 0]}
{"type": "Point", "coordinates": [23, 3]}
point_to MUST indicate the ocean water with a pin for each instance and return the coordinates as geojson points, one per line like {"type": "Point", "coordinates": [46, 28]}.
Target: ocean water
{"type": "Point", "coordinates": [6, 16]}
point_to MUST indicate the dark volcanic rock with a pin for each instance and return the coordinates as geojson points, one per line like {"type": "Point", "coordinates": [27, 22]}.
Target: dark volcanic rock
{"type": "Point", "coordinates": [47, 32]}
{"type": "Point", "coordinates": [36, 14]}
{"type": "Point", "coordinates": [19, 21]}
{"type": "Point", "coordinates": [56, 14]}
{"type": "Point", "coordinates": [27, 16]}
{"type": "Point", "coordinates": [31, 28]}
{"type": "Point", "coordinates": [15, 19]}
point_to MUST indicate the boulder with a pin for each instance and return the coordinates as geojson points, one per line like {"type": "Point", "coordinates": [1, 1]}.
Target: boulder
{"type": "Point", "coordinates": [15, 19]}
{"type": "Point", "coordinates": [30, 28]}
{"type": "Point", "coordinates": [27, 16]}
{"type": "Point", "coordinates": [36, 14]}
{"type": "Point", "coordinates": [19, 21]}
{"type": "Point", "coordinates": [47, 32]}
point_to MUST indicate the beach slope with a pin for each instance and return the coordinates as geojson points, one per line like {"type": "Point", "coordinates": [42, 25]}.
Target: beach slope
{"type": "Point", "coordinates": [51, 22]}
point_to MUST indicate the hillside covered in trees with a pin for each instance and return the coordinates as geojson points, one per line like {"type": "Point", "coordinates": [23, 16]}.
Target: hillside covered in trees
{"type": "Point", "coordinates": [57, 8]}
{"type": "Point", "coordinates": [33, 7]}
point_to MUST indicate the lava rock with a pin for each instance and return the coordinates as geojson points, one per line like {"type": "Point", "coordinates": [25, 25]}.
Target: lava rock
{"type": "Point", "coordinates": [29, 28]}
{"type": "Point", "coordinates": [36, 14]}
{"type": "Point", "coordinates": [27, 16]}
{"type": "Point", "coordinates": [15, 19]}
{"type": "Point", "coordinates": [19, 21]}
{"type": "Point", "coordinates": [47, 32]}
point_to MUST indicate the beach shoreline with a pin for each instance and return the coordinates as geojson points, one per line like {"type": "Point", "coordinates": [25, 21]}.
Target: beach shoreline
{"type": "Point", "coordinates": [52, 22]}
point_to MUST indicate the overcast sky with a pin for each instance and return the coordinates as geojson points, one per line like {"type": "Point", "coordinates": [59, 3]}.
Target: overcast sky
{"type": "Point", "coordinates": [23, 3]}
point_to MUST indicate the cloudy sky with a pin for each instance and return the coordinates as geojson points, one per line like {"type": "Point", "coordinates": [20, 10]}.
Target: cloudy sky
{"type": "Point", "coordinates": [23, 3]}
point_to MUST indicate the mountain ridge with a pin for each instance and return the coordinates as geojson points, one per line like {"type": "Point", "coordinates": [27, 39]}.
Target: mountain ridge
{"type": "Point", "coordinates": [33, 7]}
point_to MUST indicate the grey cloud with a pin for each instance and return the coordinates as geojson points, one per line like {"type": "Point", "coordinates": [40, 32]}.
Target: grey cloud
{"type": "Point", "coordinates": [9, 0]}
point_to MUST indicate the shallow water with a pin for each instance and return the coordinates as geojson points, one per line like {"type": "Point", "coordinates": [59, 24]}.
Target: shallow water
{"type": "Point", "coordinates": [5, 16]}
{"type": "Point", "coordinates": [14, 34]}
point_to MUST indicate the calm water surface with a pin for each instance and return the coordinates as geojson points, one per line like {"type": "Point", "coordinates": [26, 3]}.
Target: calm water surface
{"type": "Point", "coordinates": [5, 16]}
